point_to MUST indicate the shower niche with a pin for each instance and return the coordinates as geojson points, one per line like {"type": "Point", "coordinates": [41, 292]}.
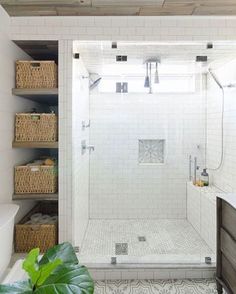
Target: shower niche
{"type": "Point", "coordinates": [151, 151]}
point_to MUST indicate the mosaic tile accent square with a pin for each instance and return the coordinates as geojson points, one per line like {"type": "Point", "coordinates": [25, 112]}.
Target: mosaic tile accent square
{"type": "Point", "coordinates": [121, 248]}
{"type": "Point", "coordinates": [151, 151]}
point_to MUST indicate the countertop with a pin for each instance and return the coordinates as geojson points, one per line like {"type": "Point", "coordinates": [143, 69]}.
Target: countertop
{"type": "Point", "coordinates": [228, 197]}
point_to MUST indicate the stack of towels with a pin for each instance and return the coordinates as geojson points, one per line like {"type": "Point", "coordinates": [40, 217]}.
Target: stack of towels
{"type": "Point", "coordinates": [42, 219]}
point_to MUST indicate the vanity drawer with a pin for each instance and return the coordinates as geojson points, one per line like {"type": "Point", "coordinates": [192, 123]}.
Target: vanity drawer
{"type": "Point", "coordinates": [228, 274]}
{"type": "Point", "coordinates": [228, 247]}
{"type": "Point", "coordinates": [229, 219]}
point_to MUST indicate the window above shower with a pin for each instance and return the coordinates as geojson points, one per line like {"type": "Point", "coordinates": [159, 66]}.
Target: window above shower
{"type": "Point", "coordinates": [147, 67]}
{"type": "Point", "coordinates": [175, 77]}
{"type": "Point", "coordinates": [168, 84]}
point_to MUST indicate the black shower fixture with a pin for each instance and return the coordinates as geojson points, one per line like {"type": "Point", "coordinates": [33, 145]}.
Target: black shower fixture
{"type": "Point", "coordinates": [76, 55]}
{"type": "Point", "coordinates": [114, 45]}
{"type": "Point", "coordinates": [210, 45]}
{"type": "Point", "coordinates": [201, 58]}
{"type": "Point", "coordinates": [121, 58]}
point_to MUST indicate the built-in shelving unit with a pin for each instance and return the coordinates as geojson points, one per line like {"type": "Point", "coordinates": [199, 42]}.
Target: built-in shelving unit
{"type": "Point", "coordinates": [39, 145]}
{"type": "Point", "coordinates": [38, 50]}
{"type": "Point", "coordinates": [38, 197]}
{"type": "Point", "coordinates": [44, 96]}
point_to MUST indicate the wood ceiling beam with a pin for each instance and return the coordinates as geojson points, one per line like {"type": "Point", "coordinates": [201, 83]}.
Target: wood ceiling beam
{"type": "Point", "coordinates": [202, 2]}
{"type": "Point", "coordinates": [118, 7]}
{"type": "Point", "coordinates": [166, 9]}
{"type": "Point", "coordinates": [129, 3]}
{"type": "Point", "coordinates": [216, 10]}
{"type": "Point", "coordinates": [27, 10]}
{"type": "Point", "coordinates": [42, 2]}
{"type": "Point", "coordinates": [104, 11]}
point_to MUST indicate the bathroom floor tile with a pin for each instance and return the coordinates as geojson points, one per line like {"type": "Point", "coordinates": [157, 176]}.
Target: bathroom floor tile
{"type": "Point", "coordinates": [156, 286]}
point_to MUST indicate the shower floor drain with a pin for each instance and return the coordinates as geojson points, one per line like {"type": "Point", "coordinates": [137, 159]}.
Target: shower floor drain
{"type": "Point", "coordinates": [121, 248]}
{"type": "Point", "coordinates": [142, 238]}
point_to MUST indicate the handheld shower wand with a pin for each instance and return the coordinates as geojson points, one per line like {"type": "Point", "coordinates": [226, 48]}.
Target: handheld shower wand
{"type": "Point", "coordinates": [222, 119]}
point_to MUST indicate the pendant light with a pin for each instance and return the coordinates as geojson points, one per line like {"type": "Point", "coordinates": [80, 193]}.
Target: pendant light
{"type": "Point", "coordinates": [156, 79]}
{"type": "Point", "coordinates": [147, 80]}
{"type": "Point", "coordinates": [150, 75]}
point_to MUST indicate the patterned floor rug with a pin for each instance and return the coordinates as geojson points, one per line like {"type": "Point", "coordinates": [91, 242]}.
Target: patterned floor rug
{"type": "Point", "coordinates": [156, 287]}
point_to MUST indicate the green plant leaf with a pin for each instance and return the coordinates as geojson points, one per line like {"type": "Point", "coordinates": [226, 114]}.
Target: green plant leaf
{"type": "Point", "coordinates": [39, 273]}
{"type": "Point", "coordinates": [17, 288]}
{"type": "Point", "coordinates": [65, 252]}
{"type": "Point", "coordinates": [46, 270]}
{"type": "Point", "coordinates": [31, 265]}
{"type": "Point", "coordinates": [68, 279]}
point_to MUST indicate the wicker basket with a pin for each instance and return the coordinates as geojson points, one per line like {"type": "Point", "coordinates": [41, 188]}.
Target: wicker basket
{"type": "Point", "coordinates": [36, 74]}
{"type": "Point", "coordinates": [28, 236]}
{"type": "Point", "coordinates": [36, 127]}
{"type": "Point", "coordinates": [39, 179]}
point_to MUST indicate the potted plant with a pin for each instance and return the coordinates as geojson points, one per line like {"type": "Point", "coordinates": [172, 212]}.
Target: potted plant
{"type": "Point", "coordinates": [57, 272]}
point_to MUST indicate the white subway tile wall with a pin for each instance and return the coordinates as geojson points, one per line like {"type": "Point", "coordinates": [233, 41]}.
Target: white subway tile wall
{"type": "Point", "coordinates": [224, 178]}
{"type": "Point", "coordinates": [201, 214]}
{"type": "Point", "coordinates": [65, 141]}
{"type": "Point", "coordinates": [120, 187]}
{"type": "Point", "coordinates": [80, 160]}
{"type": "Point", "coordinates": [149, 273]}
{"type": "Point", "coordinates": [150, 28]}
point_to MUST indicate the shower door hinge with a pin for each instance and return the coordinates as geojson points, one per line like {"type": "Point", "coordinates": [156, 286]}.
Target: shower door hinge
{"type": "Point", "coordinates": [113, 260]}
{"type": "Point", "coordinates": [208, 260]}
{"type": "Point", "coordinates": [77, 249]}
{"type": "Point", "coordinates": [76, 55]}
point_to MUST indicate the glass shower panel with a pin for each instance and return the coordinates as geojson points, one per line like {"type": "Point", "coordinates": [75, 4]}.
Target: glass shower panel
{"type": "Point", "coordinates": [138, 176]}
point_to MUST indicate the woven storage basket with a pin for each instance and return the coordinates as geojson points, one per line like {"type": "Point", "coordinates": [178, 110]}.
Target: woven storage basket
{"type": "Point", "coordinates": [28, 236]}
{"type": "Point", "coordinates": [36, 127]}
{"type": "Point", "coordinates": [36, 74]}
{"type": "Point", "coordinates": [39, 179]}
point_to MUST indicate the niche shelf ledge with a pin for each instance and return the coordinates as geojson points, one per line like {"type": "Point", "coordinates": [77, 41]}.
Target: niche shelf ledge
{"type": "Point", "coordinates": [44, 96]}
{"type": "Point", "coordinates": [49, 145]}
{"type": "Point", "coordinates": [38, 197]}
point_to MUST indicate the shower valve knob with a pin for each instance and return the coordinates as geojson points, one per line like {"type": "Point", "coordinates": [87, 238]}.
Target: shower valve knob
{"type": "Point", "coordinates": [90, 147]}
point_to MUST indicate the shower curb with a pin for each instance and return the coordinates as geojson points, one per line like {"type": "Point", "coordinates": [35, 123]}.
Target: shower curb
{"type": "Point", "coordinates": [151, 271]}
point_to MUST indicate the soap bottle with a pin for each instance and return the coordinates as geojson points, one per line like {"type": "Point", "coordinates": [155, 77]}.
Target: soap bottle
{"type": "Point", "coordinates": [205, 177]}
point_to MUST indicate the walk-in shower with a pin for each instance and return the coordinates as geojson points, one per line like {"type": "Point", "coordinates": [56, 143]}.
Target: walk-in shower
{"type": "Point", "coordinates": [134, 201]}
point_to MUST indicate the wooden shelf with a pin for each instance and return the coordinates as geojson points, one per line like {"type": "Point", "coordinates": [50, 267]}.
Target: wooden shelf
{"type": "Point", "coordinates": [40, 145]}
{"type": "Point", "coordinates": [45, 197]}
{"type": "Point", "coordinates": [44, 96]}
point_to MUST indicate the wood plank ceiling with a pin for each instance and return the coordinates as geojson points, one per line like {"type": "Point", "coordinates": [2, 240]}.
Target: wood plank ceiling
{"type": "Point", "coordinates": [118, 7]}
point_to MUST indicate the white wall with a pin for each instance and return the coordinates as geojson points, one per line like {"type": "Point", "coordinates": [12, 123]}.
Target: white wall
{"type": "Point", "coordinates": [224, 178]}
{"type": "Point", "coordinates": [120, 186]}
{"type": "Point", "coordinates": [9, 105]}
{"type": "Point", "coordinates": [80, 162]}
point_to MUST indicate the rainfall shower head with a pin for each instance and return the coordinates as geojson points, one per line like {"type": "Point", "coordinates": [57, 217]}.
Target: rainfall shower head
{"type": "Point", "coordinates": [156, 80]}
{"type": "Point", "coordinates": [147, 80]}
{"type": "Point", "coordinates": [94, 80]}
